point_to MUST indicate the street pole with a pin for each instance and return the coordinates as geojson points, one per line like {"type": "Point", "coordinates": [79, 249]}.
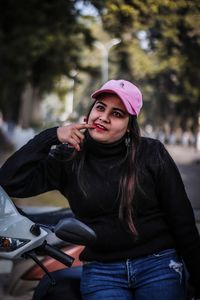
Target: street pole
{"type": "Point", "coordinates": [69, 97]}
{"type": "Point", "coordinates": [105, 49]}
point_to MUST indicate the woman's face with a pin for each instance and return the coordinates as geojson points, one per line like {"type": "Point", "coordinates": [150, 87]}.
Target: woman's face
{"type": "Point", "coordinates": [109, 117]}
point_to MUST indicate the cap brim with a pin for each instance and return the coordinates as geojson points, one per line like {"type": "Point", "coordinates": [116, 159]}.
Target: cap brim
{"type": "Point", "coordinates": [126, 103]}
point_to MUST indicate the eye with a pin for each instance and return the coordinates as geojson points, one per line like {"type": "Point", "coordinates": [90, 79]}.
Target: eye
{"type": "Point", "coordinates": [100, 107]}
{"type": "Point", "coordinates": [117, 114]}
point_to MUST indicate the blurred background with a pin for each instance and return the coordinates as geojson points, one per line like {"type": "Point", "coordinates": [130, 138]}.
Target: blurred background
{"type": "Point", "coordinates": [54, 54]}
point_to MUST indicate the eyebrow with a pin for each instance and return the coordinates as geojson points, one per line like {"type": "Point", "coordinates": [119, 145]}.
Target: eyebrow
{"type": "Point", "coordinates": [114, 108]}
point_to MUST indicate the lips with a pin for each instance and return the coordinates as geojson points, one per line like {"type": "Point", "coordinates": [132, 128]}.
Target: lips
{"type": "Point", "coordinates": [99, 127]}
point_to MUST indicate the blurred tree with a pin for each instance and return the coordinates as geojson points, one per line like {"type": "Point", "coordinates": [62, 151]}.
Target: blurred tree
{"type": "Point", "coordinates": [40, 41]}
{"type": "Point", "coordinates": [44, 40]}
{"type": "Point", "coordinates": [161, 41]}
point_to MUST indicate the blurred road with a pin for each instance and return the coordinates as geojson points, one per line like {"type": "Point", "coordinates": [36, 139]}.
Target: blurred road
{"type": "Point", "coordinates": [188, 162]}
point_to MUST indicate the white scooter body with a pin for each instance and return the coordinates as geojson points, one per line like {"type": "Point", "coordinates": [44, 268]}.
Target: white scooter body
{"type": "Point", "coordinates": [15, 230]}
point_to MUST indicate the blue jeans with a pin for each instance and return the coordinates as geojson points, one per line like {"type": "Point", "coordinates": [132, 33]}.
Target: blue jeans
{"type": "Point", "coordinates": [159, 276]}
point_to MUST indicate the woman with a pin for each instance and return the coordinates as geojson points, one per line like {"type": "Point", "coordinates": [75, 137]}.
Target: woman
{"type": "Point", "coordinates": [127, 188]}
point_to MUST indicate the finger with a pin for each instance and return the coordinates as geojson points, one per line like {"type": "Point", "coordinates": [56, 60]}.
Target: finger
{"type": "Point", "coordinates": [73, 143]}
{"type": "Point", "coordinates": [84, 126]}
{"type": "Point", "coordinates": [79, 134]}
{"type": "Point", "coordinates": [76, 138]}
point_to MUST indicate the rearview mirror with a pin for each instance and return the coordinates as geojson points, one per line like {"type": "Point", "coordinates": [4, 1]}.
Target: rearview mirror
{"type": "Point", "coordinates": [74, 231]}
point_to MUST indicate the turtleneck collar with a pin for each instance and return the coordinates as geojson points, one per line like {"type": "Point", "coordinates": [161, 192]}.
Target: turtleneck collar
{"type": "Point", "coordinates": [106, 150]}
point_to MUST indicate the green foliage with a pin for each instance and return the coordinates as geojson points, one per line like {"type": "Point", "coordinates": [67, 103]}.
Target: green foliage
{"type": "Point", "coordinates": [167, 68]}
{"type": "Point", "coordinates": [40, 41]}
{"type": "Point", "coordinates": [159, 50]}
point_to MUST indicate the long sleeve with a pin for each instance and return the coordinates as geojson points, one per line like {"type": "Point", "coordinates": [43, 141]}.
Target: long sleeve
{"type": "Point", "coordinates": [179, 216]}
{"type": "Point", "coordinates": [31, 170]}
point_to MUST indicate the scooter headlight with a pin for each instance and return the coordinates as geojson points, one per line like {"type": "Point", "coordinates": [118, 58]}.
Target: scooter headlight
{"type": "Point", "coordinates": [8, 244]}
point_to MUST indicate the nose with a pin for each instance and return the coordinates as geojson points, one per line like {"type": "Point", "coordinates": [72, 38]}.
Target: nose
{"type": "Point", "coordinates": [104, 117]}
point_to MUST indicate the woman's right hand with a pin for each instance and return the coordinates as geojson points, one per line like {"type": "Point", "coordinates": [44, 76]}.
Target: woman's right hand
{"type": "Point", "coordinates": [71, 134]}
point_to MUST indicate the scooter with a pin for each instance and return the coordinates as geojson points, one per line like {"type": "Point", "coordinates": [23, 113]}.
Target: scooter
{"type": "Point", "coordinates": [25, 273]}
{"type": "Point", "coordinates": [22, 238]}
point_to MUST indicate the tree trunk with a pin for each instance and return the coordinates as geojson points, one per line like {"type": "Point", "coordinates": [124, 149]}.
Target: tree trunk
{"type": "Point", "coordinates": [30, 111]}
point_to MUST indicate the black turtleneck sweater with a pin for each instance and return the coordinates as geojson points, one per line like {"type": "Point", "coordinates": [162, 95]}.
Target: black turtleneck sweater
{"type": "Point", "coordinates": [163, 214]}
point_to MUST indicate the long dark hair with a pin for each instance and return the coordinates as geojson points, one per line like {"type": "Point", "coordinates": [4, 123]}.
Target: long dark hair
{"type": "Point", "coordinates": [128, 180]}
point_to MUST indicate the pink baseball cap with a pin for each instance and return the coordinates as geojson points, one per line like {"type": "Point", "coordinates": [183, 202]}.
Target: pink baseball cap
{"type": "Point", "coordinates": [130, 95]}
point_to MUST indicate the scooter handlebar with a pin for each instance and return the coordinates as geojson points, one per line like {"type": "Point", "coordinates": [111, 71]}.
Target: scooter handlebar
{"type": "Point", "coordinates": [57, 254]}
